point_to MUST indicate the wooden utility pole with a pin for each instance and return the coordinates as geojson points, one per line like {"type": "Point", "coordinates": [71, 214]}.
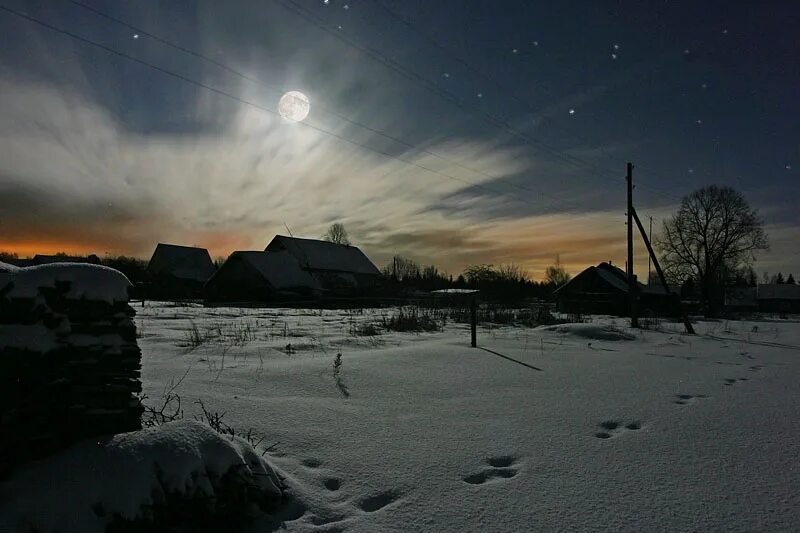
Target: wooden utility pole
{"type": "Point", "coordinates": [662, 277]}
{"type": "Point", "coordinates": [632, 288]}
{"type": "Point", "coordinates": [650, 259]}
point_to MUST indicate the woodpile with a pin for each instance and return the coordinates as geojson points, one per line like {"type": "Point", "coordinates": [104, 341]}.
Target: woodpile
{"type": "Point", "coordinates": [69, 362]}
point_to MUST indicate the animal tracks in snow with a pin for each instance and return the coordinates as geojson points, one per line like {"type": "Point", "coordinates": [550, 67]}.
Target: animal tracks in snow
{"type": "Point", "coordinates": [613, 428]}
{"type": "Point", "coordinates": [376, 502]}
{"type": "Point", "coordinates": [731, 381]}
{"type": "Point", "coordinates": [684, 399]}
{"type": "Point", "coordinates": [499, 467]}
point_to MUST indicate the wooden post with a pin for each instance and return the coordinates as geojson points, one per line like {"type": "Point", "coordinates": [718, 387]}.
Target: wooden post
{"type": "Point", "coordinates": [661, 276]}
{"type": "Point", "coordinates": [632, 286]}
{"type": "Point", "coordinates": [473, 320]}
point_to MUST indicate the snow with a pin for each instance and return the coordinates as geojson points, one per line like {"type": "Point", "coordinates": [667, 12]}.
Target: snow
{"type": "Point", "coordinates": [601, 332]}
{"type": "Point", "coordinates": [123, 474]}
{"type": "Point", "coordinates": [606, 428]}
{"type": "Point", "coordinates": [87, 281]}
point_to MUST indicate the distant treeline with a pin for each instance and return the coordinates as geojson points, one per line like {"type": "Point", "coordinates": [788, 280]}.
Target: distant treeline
{"type": "Point", "coordinates": [507, 281]}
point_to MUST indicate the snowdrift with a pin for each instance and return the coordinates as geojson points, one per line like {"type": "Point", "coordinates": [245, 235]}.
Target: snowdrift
{"type": "Point", "coordinates": [599, 332]}
{"type": "Point", "coordinates": [182, 473]}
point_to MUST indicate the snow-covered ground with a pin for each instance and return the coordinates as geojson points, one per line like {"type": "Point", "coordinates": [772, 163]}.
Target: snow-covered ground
{"type": "Point", "coordinates": [574, 427]}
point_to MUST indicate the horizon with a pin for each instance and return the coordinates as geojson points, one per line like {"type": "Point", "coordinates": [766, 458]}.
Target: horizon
{"type": "Point", "coordinates": [496, 138]}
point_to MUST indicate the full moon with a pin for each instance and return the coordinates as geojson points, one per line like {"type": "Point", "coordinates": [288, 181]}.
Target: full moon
{"type": "Point", "coordinates": [294, 106]}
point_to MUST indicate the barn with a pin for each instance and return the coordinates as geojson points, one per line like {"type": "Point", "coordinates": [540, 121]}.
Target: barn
{"type": "Point", "coordinates": [603, 290]}
{"type": "Point", "coordinates": [778, 298]}
{"type": "Point", "coordinates": [249, 276]}
{"type": "Point", "coordinates": [178, 271]}
{"type": "Point", "coordinates": [339, 268]}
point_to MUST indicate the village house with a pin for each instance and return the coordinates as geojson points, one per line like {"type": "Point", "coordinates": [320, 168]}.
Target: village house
{"type": "Point", "coordinates": [260, 276]}
{"type": "Point", "coordinates": [603, 290]}
{"type": "Point", "coordinates": [179, 271]}
{"type": "Point", "coordinates": [339, 268]}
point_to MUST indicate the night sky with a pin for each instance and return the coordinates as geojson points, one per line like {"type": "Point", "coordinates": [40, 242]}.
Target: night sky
{"type": "Point", "coordinates": [452, 132]}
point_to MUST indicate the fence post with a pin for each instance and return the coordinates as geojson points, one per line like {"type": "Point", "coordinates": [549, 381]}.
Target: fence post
{"type": "Point", "coordinates": [473, 320]}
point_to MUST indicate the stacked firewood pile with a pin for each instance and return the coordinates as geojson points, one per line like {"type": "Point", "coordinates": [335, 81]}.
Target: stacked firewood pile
{"type": "Point", "coordinates": [69, 362]}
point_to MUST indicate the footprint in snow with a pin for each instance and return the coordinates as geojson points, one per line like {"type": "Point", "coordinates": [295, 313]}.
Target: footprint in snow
{"type": "Point", "coordinates": [376, 502]}
{"type": "Point", "coordinates": [684, 399]}
{"type": "Point", "coordinates": [332, 484]}
{"type": "Point", "coordinates": [500, 467]}
{"type": "Point", "coordinates": [612, 428]}
{"type": "Point", "coordinates": [730, 381]}
{"type": "Point", "coordinates": [311, 463]}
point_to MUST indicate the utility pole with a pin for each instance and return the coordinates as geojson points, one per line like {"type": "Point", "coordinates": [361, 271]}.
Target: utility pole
{"type": "Point", "coordinates": [632, 288]}
{"type": "Point", "coordinates": [650, 259]}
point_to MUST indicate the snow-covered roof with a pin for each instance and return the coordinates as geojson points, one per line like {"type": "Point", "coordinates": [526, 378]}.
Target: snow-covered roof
{"type": "Point", "coordinates": [323, 255]}
{"type": "Point", "coordinates": [87, 281]}
{"type": "Point", "coordinates": [280, 269]}
{"type": "Point", "coordinates": [613, 280]}
{"type": "Point", "coordinates": [455, 291]}
{"type": "Point", "coordinates": [778, 291]}
{"type": "Point", "coordinates": [182, 262]}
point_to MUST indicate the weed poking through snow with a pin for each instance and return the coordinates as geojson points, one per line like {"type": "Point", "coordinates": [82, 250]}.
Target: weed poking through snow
{"type": "Point", "coordinates": [337, 375]}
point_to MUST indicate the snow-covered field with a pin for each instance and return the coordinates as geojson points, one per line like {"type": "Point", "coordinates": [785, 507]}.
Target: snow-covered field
{"type": "Point", "coordinates": [574, 427]}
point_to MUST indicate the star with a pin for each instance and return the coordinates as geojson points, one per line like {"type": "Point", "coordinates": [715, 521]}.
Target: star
{"type": "Point", "coordinates": [686, 52]}
{"type": "Point", "coordinates": [514, 51]}
{"type": "Point", "coordinates": [699, 121]}
{"type": "Point", "coordinates": [338, 27]}
{"type": "Point", "coordinates": [326, 2]}
{"type": "Point", "coordinates": [725, 31]}
{"type": "Point", "coordinates": [613, 56]}
{"type": "Point", "coordinates": [691, 171]}
{"type": "Point", "coordinates": [616, 47]}
{"type": "Point", "coordinates": [479, 95]}
{"type": "Point", "coordinates": [704, 86]}
{"type": "Point", "coordinates": [446, 75]}
{"type": "Point", "coordinates": [788, 166]}
{"type": "Point", "coordinates": [535, 43]}
{"type": "Point", "coordinates": [571, 111]}
{"type": "Point", "coordinates": [135, 35]}
{"type": "Point", "coordinates": [346, 6]}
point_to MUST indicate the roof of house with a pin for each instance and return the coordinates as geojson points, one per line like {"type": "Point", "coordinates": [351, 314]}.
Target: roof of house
{"type": "Point", "coordinates": [613, 276]}
{"type": "Point", "coordinates": [778, 291]}
{"type": "Point", "coordinates": [280, 269]}
{"type": "Point", "coordinates": [314, 254]}
{"type": "Point", "coordinates": [741, 297]}
{"type": "Point", "coordinates": [183, 262]}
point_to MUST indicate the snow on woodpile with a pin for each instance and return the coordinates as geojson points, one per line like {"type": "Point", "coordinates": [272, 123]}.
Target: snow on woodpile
{"type": "Point", "coordinates": [69, 361]}
{"type": "Point", "coordinates": [134, 478]}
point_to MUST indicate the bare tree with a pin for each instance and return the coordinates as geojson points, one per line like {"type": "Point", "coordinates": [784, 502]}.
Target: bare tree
{"type": "Point", "coordinates": [556, 274]}
{"type": "Point", "coordinates": [715, 228]}
{"type": "Point", "coordinates": [337, 234]}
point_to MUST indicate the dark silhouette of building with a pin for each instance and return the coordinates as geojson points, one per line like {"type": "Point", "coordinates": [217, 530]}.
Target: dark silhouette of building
{"type": "Point", "coordinates": [261, 276]}
{"type": "Point", "coordinates": [604, 289]}
{"type": "Point", "coordinates": [178, 271]}
{"type": "Point", "coordinates": [339, 268]}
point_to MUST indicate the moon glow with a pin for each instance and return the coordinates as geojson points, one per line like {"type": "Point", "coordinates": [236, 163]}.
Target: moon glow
{"type": "Point", "coordinates": [294, 106]}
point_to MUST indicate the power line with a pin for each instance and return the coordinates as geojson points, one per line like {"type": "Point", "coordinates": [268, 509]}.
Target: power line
{"type": "Point", "coordinates": [244, 76]}
{"type": "Point", "coordinates": [442, 93]}
{"type": "Point", "coordinates": [507, 91]}
{"type": "Point", "coordinates": [243, 101]}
